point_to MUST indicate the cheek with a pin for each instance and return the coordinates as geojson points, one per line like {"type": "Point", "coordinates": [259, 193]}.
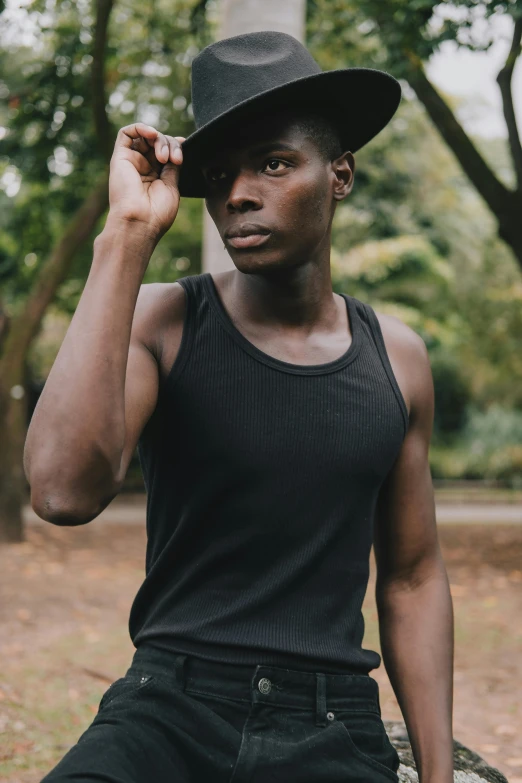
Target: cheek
{"type": "Point", "coordinates": [306, 207]}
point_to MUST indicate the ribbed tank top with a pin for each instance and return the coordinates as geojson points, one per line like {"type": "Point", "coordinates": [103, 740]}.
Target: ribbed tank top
{"type": "Point", "coordinates": [262, 478]}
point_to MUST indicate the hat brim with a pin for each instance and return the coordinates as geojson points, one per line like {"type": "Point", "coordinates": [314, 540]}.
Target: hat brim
{"type": "Point", "coordinates": [360, 100]}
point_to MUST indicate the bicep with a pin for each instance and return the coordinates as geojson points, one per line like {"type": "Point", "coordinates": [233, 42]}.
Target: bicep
{"type": "Point", "coordinates": [405, 531]}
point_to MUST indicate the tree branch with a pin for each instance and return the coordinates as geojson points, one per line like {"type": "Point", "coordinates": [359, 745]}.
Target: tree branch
{"type": "Point", "coordinates": [504, 82]}
{"type": "Point", "coordinates": [104, 131]}
{"type": "Point", "coordinates": [494, 193]}
{"type": "Point", "coordinates": [24, 326]}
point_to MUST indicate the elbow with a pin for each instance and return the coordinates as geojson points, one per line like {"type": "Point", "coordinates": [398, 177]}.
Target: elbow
{"type": "Point", "coordinates": [62, 518]}
{"type": "Point", "coordinates": [57, 513]}
{"type": "Point", "coordinates": [66, 513]}
{"type": "Point", "coordinates": [67, 498]}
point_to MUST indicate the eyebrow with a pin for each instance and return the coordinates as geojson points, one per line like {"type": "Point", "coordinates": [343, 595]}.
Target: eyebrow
{"type": "Point", "coordinates": [260, 149]}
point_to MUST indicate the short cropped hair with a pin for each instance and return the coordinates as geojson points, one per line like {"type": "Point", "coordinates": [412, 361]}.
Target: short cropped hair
{"type": "Point", "coordinates": [323, 132]}
{"type": "Point", "coordinates": [319, 126]}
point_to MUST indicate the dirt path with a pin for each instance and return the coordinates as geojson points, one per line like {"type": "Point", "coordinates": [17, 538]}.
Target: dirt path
{"type": "Point", "coordinates": [65, 599]}
{"type": "Point", "coordinates": [131, 510]}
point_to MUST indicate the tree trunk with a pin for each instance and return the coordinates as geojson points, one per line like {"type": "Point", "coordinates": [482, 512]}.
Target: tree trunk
{"type": "Point", "coordinates": [509, 225]}
{"type": "Point", "coordinates": [20, 333]}
{"type": "Point", "coordinates": [16, 340]}
{"type": "Point", "coordinates": [13, 420]}
{"type": "Point", "coordinates": [505, 204]}
{"type": "Point", "coordinates": [248, 16]}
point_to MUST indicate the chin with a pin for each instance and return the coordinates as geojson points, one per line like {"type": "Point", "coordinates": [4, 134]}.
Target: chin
{"type": "Point", "coordinates": [262, 264]}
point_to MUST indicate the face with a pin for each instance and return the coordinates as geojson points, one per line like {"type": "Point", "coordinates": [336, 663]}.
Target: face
{"type": "Point", "coordinates": [273, 180]}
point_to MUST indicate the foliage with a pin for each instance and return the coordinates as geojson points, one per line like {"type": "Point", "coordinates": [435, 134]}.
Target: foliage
{"type": "Point", "coordinates": [400, 37]}
{"type": "Point", "coordinates": [52, 147]}
{"type": "Point", "coordinates": [491, 297]}
{"type": "Point", "coordinates": [497, 427]}
{"type": "Point", "coordinates": [488, 447]}
{"type": "Point", "coordinates": [452, 394]}
{"type": "Point", "coordinates": [413, 239]}
{"type": "Point", "coordinates": [418, 229]}
{"type": "Point", "coordinates": [373, 33]}
{"type": "Point", "coordinates": [410, 227]}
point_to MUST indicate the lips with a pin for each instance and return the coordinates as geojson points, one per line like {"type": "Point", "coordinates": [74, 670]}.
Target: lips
{"type": "Point", "coordinates": [245, 230]}
{"type": "Point", "coordinates": [247, 235]}
{"type": "Point", "coordinates": [251, 240]}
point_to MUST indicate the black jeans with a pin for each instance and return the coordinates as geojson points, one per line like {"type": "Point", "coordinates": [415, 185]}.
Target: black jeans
{"type": "Point", "coordinates": [180, 719]}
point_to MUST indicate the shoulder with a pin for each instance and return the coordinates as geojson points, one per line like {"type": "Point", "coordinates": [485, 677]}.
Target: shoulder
{"type": "Point", "coordinates": [399, 336]}
{"type": "Point", "coordinates": [160, 311]}
{"type": "Point", "coordinates": [409, 357]}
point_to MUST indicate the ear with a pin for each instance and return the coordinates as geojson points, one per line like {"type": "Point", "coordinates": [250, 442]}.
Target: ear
{"type": "Point", "coordinates": [343, 169]}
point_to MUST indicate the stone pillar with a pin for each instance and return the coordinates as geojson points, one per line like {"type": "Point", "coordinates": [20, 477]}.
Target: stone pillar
{"type": "Point", "coordinates": [248, 16]}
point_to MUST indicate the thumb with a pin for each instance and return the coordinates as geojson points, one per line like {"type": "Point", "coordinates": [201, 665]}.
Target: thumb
{"type": "Point", "coordinates": [169, 175]}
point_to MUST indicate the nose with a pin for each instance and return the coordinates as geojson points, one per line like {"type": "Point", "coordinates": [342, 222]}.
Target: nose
{"type": "Point", "coordinates": [243, 194]}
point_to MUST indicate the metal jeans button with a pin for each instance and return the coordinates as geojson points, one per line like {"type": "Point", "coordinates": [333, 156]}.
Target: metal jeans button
{"type": "Point", "coordinates": [264, 685]}
{"type": "Point", "coordinates": [330, 715]}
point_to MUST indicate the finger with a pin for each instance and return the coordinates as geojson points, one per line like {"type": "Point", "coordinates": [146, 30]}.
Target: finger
{"type": "Point", "coordinates": [159, 144]}
{"type": "Point", "coordinates": [152, 137]}
{"type": "Point", "coordinates": [145, 164]}
{"type": "Point", "coordinates": [138, 130]}
{"type": "Point", "coordinates": [170, 175]}
{"type": "Point", "coordinates": [165, 146]}
{"type": "Point", "coordinates": [180, 139]}
{"type": "Point", "coordinates": [175, 151]}
{"type": "Point", "coordinates": [145, 158]}
{"type": "Point", "coordinates": [162, 148]}
{"type": "Point", "coordinates": [138, 138]}
{"type": "Point", "coordinates": [140, 145]}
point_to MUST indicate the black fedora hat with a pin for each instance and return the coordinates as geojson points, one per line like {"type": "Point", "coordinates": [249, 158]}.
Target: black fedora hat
{"type": "Point", "coordinates": [254, 73]}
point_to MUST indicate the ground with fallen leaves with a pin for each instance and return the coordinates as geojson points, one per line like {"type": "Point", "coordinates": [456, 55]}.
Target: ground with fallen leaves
{"type": "Point", "coordinates": [65, 600]}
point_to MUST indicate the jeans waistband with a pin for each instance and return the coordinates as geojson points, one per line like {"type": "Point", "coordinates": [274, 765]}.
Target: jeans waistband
{"type": "Point", "coordinates": [262, 684]}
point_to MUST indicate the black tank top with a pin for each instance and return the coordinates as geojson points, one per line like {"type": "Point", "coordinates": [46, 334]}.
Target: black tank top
{"type": "Point", "coordinates": [262, 478]}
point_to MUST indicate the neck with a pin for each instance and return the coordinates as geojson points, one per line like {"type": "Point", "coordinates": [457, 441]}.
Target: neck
{"type": "Point", "coordinates": [294, 298]}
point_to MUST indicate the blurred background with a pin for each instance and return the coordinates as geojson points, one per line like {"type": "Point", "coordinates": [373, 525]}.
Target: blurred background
{"type": "Point", "coordinates": [432, 233]}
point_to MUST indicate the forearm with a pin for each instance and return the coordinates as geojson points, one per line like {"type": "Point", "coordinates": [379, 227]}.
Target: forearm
{"type": "Point", "coordinates": [417, 641]}
{"type": "Point", "coordinates": [76, 435]}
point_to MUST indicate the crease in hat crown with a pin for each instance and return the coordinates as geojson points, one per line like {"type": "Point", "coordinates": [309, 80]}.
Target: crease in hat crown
{"type": "Point", "coordinates": [254, 61]}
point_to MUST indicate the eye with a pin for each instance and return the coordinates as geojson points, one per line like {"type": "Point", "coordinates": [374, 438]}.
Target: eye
{"type": "Point", "coordinates": [275, 160]}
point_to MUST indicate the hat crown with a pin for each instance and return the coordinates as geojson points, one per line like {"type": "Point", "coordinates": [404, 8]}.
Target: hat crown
{"type": "Point", "coordinates": [235, 69]}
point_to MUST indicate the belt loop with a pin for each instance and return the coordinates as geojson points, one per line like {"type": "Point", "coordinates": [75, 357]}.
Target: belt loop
{"type": "Point", "coordinates": [320, 702]}
{"type": "Point", "coordinates": [254, 692]}
{"type": "Point", "coordinates": [181, 675]}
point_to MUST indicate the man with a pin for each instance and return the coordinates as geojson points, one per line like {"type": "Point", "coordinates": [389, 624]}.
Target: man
{"type": "Point", "coordinates": [282, 429]}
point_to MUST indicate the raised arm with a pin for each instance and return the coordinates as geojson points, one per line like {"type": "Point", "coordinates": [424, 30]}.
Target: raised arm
{"type": "Point", "coordinates": [103, 385]}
